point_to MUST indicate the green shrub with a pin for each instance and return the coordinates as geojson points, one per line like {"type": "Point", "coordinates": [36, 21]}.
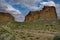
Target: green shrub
{"type": "Point", "coordinates": [57, 37]}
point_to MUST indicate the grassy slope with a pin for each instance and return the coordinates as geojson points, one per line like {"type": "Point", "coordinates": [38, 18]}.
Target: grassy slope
{"type": "Point", "coordinates": [28, 31]}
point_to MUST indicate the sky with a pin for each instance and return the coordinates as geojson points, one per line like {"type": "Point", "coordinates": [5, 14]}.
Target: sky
{"type": "Point", "coordinates": [20, 8]}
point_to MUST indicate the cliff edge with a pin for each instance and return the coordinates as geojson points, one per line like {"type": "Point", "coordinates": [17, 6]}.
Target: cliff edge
{"type": "Point", "coordinates": [48, 13]}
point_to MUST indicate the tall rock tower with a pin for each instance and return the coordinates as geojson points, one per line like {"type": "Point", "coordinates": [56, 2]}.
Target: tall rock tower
{"type": "Point", "coordinates": [48, 13]}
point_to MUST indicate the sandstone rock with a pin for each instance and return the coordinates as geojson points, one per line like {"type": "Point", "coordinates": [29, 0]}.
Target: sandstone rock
{"type": "Point", "coordinates": [48, 13]}
{"type": "Point", "coordinates": [32, 16]}
{"type": "Point", "coordinates": [5, 17]}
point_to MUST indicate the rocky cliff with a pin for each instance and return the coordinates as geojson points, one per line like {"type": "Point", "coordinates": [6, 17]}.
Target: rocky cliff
{"type": "Point", "coordinates": [32, 16]}
{"type": "Point", "coordinates": [5, 17]}
{"type": "Point", "coordinates": [48, 13]}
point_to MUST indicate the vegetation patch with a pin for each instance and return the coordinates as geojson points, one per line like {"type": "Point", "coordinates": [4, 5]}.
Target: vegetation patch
{"type": "Point", "coordinates": [57, 37]}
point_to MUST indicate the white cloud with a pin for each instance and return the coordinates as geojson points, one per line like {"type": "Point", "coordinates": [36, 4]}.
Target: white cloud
{"type": "Point", "coordinates": [19, 18]}
{"type": "Point", "coordinates": [58, 9]}
{"type": "Point", "coordinates": [12, 10]}
{"type": "Point", "coordinates": [50, 3]}
{"type": "Point", "coordinates": [31, 4]}
{"type": "Point", "coordinates": [5, 7]}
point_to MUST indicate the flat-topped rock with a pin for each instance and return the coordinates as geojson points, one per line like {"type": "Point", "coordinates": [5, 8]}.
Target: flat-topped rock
{"type": "Point", "coordinates": [48, 13]}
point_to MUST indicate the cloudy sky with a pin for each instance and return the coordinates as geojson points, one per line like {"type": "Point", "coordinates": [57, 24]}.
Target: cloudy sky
{"type": "Point", "coordinates": [22, 7]}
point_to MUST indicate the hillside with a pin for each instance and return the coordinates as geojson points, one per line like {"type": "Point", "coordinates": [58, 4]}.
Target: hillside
{"type": "Point", "coordinates": [6, 17]}
{"type": "Point", "coordinates": [28, 31]}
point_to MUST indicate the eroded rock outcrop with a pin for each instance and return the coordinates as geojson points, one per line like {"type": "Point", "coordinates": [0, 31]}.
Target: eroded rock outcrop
{"type": "Point", "coordinates": [48, 13]}
{"type": "Point", "coordinates": [5, 17]}
{"type": "Point", "coordinates": [32, 16]}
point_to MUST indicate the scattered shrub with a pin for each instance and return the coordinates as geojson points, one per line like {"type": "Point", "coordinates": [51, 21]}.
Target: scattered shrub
{"type": "Point", "coordinates": [57, 37]}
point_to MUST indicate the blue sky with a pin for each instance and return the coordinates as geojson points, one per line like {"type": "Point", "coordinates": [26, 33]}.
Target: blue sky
{"type": "Point", "coordinates": [24, 6]}
{"type": "Point", "coordinates": [19, 7]}
{"type": "Point", "coordinates": [24, 9]}
{"type": "Point", "coordinates": [57, 1]}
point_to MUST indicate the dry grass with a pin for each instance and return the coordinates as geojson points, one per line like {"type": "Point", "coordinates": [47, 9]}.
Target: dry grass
{"type": "Point", "coordinates": [28, 31]}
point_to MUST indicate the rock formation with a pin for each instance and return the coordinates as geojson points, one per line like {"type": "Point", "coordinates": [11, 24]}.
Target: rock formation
{"type": "Point", "coordinates": [5, 17]}
{"type": "Point", "coordinates": [48, 13]}
{"type": "Point", "coordinates": [32, 16]}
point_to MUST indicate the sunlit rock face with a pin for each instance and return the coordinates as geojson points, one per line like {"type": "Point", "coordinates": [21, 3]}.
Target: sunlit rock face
{"type": "Point", "coordinates": [48, 13]}
{"type": "Point", "coordinates": [32, 16]}
{"type": "Point", "coordinates": [6, 17]}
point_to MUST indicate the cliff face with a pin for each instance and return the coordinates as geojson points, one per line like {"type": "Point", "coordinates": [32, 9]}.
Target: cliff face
{"type": "Point", "coordinates": [5, 17]}
{"type": "Point", "coordinates": [48, 13]}
{"type": "Point", "coordinates": [32, 16]}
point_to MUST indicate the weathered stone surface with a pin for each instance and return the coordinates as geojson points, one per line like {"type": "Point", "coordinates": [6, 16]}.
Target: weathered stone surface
{"type": "Point", "coordinates": [32, 16]}
{"type": "Point", "coordinates": [48, 13]}
{"type": "Point", "coordinates": [5, 17]}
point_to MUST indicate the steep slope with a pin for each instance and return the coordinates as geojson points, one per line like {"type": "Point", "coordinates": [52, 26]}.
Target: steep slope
{"type": "Point", "coordinates": [32, 16]}
{"type": "Point", "coordinates": [48, 13]}
{"type": "Point", "coordinates": [5, 17]}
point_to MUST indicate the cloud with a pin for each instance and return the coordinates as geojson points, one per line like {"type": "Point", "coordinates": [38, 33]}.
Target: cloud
{"type": "Point", "coordinates": [30, 4]}
{"type": "Point", "coordinates": [49, 3]}
{"type": "Point", "coordinates": [19, 18]}
{"type": "Point", "coordinates": [8, 8]}
{"type": "Point", "coordinates": [58, 9]}
{"type": "Point", "coordinates": [5, 7]}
